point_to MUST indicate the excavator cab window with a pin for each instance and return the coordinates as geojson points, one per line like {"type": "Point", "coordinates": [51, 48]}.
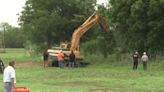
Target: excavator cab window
{"type": "Point", "coordinates": [62, 46]}
{"type": "Point", "coordinates": [69, 46]}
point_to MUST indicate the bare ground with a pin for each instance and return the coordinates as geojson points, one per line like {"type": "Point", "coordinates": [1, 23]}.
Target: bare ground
{"type": "Point", "coordinates": [83, 83]}
{"type": "Point", "coordinates": [92, 84]}
{"type": "Point", "coordinates": [77, 83]}
{"type": "Point", "coordinates": [103, 90]}
{"type": "Point", "coordinates": [28, 64]}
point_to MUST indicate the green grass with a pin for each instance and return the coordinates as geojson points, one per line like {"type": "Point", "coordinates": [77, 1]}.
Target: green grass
{"type": "Point", "coordinates": [114, 76]}
{"type": "Point", "coordinates": [117, 79]}
{"type": "Point", "coordinates": [21, 55]}
{"type": "Point", "coordinates": [17, 50]}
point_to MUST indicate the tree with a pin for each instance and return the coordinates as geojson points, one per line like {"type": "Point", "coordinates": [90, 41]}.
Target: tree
{"type": "Point", "coordinates": [1, 38]}
{"type": "Point", "coordinates": [12, 36]}
{"type": "Point", "coordinates": [15, 38]}
{"type": "Point", "coordinates": [139, 22]}
{"type": "Point", "coordinates": [156, 21]}
{"type": "Point", "coordinates": [5, 27]}
{"type": "Point", "coordinates": [47, 22]}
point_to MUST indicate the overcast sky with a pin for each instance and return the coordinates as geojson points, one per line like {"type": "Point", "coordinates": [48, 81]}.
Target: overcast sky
{"type": "Point", "coordinates": [9, 9]}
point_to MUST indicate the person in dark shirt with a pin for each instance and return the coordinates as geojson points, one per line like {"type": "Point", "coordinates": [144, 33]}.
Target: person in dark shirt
{"type": "Point", "coordinates": [72, 60]}
{"type": "Point", "coordinates": [1, 65]}
{"type": "Point", "coordinates": [135, 59]}
{"type": "Point", "coordinates": [45, 58]}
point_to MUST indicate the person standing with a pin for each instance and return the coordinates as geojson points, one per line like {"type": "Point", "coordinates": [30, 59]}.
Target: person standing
{"type": "Point", "coordinates": [71, 60]}
{"type": "Point", "coordinates": [45, 58]}
{"type": "Point", "coordinates": [9, 77]}
{"type": "Point", "coordinates": [1, 67]}
{"type": "Point", "coordinates": [144, 60]}
{"type": "Point", "coordinates": [60, 59]}
{"type": "Point", "coordinates": [135, 59]}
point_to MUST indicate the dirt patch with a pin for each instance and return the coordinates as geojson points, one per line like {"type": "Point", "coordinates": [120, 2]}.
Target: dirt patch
{"type": "Point", "coordinates": [105, 90]}
{"type": "Point", "coordinates": [148, 75]}
{"type": "Point", "coordinates": [28, 64]}
{"type": "Point", "coordinates": [77, 84]}
{"type": "Point", "coordinates": [101, 91]}
{"type": "Point", "coordinates": [115, 74]}
{"type": "Point", "coordinates": [132, 74]}
{"type": "Point", "coordinates": [123, 74]}
{"type": "Point", "coordinates": [99, 74]}
{"type": "Point", "coordinates": [93, 67]}
{"type": "Point", "coordinates": [120, 89]}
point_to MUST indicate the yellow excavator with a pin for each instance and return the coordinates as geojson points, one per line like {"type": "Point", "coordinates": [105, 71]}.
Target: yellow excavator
{"type": "Point", "coordinates": [67, 47]}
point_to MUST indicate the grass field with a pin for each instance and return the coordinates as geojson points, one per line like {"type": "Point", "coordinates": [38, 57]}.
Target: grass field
{"type": "Point", "coordinates": [20, 55]}
{"type": "Point", "coordinates": [111, 77]}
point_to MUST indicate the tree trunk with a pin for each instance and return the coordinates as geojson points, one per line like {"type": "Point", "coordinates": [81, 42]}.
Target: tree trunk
{"type": "Point", "coordinates": [4, 40]}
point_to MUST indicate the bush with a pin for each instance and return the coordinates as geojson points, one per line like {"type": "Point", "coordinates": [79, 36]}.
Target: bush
{"type": "Point", "coordinates": [99, 46]}
{"type": "Point", "coordinates": [94, 58]}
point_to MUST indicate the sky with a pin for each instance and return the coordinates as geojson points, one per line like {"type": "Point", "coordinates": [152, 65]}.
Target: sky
{"type": "Point", "coordinates": [9, 9]}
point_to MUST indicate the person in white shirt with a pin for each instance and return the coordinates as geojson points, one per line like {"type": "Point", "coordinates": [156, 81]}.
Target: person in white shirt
{"type": "Point", "coordinates": [144, 60]}
{"type": "Point", "coordinates": [9, 77]}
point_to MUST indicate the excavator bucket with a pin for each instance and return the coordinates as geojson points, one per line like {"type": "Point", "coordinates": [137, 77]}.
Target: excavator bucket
{"type": "Point", "coordinates": [107, 35]}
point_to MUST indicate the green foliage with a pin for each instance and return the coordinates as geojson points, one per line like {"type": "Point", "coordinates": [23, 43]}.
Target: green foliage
{"type": "Point", "coordinates": [14, 37]}
{"type": "Point", "coordinates": [1, 39]}
{"type": "Point", "coordinates": [97, 46]}
{"type": "Point", "coordinates": [35, 48]}
{"type": "Point", "coordinates": [53, 21]}
{"type": "Point", "coordinates": [28, 45]}
{"type": "Point", "coordinates": [156, 22]}
{"type": "Point", "coordinates": [140, 23]}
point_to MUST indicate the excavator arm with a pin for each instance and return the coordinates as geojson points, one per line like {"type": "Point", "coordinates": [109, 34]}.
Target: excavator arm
{"type": "Point", "coordinates": [86, 26]}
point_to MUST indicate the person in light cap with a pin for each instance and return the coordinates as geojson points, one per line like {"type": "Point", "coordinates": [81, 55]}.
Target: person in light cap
{"type": "Point", "coordinates": [144, 60]}
{"type": "Point", "coordinates": [60, 59]}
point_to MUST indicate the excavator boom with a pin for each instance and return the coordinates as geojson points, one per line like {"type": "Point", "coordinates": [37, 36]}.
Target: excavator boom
{"type": "Point", "coordinates": [92, 20]}
{"type": "Point", "coordinates": [86, 26]}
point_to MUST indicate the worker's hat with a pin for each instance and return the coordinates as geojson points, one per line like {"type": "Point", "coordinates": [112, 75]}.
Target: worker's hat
{"type": "Point", "coordinates": [60, 50]}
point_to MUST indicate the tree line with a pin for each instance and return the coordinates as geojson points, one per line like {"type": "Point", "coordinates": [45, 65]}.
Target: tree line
{"type": "Point", "coordinates": [137, 25]}
{"type": "Point", "coordinates": [11, 37]}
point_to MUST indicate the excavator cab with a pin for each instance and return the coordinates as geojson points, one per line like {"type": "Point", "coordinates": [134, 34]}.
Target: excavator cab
{"type": "Point", "coordinates": [65, 45]}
